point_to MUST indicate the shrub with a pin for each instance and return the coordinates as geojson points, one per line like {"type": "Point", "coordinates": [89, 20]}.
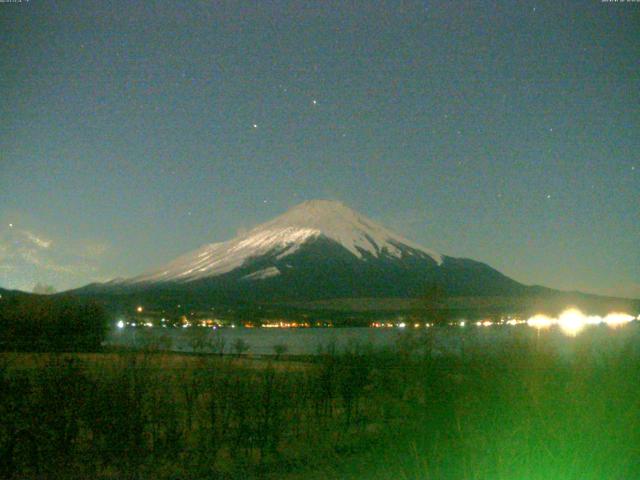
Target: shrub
{"type": "Point", "coordinates": [54, 324]}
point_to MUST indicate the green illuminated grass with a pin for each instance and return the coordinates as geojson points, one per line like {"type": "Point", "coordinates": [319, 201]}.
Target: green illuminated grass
{"type": "Point", "coordinates": [521, 413]}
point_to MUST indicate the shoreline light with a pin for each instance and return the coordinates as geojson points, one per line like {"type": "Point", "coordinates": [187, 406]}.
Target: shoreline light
{"type": "Point", "coordinates": [617, 319]}
{"type": "Point", "coordinates": [540, 321]}
{"type": "Point", "coordinates": [593, 320]}
{"type": "Point", "coordinates": [572, 321]}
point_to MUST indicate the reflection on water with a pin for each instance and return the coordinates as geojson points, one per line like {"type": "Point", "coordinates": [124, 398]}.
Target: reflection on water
{"type": "Point", "coordinates": [558, 335]}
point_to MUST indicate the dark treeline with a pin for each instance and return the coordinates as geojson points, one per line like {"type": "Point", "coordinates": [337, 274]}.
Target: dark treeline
{"type": "Point", "coordinates": [522, 413]}
{"type": "Point", "coordinates": [39, 323]}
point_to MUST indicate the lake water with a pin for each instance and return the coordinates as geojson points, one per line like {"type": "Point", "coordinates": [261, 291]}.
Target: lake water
{"type": "Point", "coordinates": [441, 340]}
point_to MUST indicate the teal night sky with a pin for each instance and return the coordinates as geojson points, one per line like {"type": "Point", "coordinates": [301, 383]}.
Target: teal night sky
{"type": "Point", "coordinates": [504, 131]}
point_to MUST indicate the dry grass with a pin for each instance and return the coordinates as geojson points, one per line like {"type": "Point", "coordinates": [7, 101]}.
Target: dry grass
{"type": "Point", "coordinates": [160, 360]}
{"type": "Point", "coordinates": [521, 413]}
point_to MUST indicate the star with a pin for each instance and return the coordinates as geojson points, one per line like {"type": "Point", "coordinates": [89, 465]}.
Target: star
{"type": "Point", "coordinates": [11, 225]}
{"type": "Point", "coordinates": [255, 125]}
{"type": "Point", "coordinates": [548, 195]}
{"type": "Point", "coordinates": [315, 102]}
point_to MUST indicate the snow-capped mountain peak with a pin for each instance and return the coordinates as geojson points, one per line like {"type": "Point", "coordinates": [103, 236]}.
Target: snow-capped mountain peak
{"type": "Point", "coordinates": [340, 223]}
{"type": "Point", "coordinates": [286, 234]}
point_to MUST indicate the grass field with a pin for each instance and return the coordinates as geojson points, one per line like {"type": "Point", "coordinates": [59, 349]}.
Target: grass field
{"type": "Point", "coordinates": [523, 413]}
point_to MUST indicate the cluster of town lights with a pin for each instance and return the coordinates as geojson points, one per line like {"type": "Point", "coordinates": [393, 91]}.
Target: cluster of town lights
{"type": "Point", "coordinates": [570, 321]}
{"type": "Point", "coordinates": [281, 324]}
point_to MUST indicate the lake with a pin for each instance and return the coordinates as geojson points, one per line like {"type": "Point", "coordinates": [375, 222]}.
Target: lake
{"type": "Point", "coordinates": [442, 340]}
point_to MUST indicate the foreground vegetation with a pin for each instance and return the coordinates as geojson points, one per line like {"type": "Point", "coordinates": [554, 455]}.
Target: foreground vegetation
{"type": "Point", "coordinates": [521, 413]}
{"type": "Point", "coordinates": [42, 323]}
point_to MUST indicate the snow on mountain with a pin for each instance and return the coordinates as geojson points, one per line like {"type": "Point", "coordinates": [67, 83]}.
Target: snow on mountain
{"type": "Point", "coordinates": [262, 274]}
{"type": "Point", "coordinates": [284, 235]}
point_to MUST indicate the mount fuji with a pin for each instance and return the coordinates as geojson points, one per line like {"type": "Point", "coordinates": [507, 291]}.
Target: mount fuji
{"type": "Point", "coordinates": [283, 237]}
{"type": "Point", "coordinates": [317, 250]}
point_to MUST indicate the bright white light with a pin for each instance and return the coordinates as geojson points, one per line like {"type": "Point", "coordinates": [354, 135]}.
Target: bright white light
{"type": "Point", "coordinates": [540, 321]}
{"type": "Point", "coordinates": [572, 321]}
{"type": "Point", "coordinates": [402, 325]}
{"type": "Point", "coordinates": [120, 324]}
{"type": "Point", "coordinates": [485, 323]}
{"type": "Point", "coordinates": [463, 323]}
{"type": "Point", "coordinates": [139, 309]}
{"type": "Point", "coordinates": [593, 320]}
{"type": "Point", "coordinates": [616, 319]}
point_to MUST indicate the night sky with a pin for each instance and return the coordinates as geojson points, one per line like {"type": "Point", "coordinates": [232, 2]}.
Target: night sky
{"type": "Point", "coordinates": [507, 132]}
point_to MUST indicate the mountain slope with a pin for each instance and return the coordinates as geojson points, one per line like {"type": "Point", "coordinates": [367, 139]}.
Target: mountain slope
{"type": "Point", "coordinates": [317, 250]}
{"type": "Point", "coordinates": [284, 236]}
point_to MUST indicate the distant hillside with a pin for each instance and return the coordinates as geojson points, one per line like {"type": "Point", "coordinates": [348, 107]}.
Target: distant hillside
{"type": "Point", "coordinates": [5, 293]}
{"type": "Point", "coordinates": [47, 323]}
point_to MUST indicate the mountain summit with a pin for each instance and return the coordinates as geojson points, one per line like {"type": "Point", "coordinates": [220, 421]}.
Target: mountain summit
{"type": "Point", "coordinates": [319, 249]}
{"type": "Point", "coordinates": [285, 235]}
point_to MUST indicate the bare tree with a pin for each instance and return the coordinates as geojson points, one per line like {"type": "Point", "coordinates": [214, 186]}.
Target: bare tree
{"type": "Point", "coordinates": [280, 349]}
{"type": "Point", "coordinates": [217, 343]}
{"type": "Point", "coordinates": [240, 346]}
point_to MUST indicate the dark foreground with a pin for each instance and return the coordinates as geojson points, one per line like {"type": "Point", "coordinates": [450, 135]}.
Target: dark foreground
{"type": "Point", "coordinates": [523, 413]}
